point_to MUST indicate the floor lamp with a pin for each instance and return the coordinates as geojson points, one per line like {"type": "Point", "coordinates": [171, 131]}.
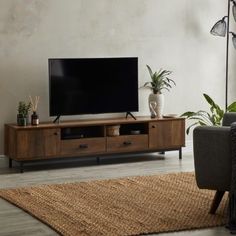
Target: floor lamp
{"type": "Point", "coordinates": [221, 28]}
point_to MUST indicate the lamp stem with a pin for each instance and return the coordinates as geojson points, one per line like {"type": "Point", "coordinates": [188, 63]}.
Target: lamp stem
{"type": "Point", "coordinates": [227, 58]}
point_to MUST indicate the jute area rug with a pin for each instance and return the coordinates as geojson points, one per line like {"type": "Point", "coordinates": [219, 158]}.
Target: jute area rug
{"type": "Point", "coordinates": [127, 206]}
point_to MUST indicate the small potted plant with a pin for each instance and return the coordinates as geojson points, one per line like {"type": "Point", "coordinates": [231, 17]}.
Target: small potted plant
{"type": "Point", "coordinates": [23, 113]}
{"type": "Point", "coordinates": [159, 81]}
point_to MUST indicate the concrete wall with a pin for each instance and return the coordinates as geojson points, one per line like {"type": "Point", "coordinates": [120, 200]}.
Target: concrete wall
{"type": "Point", "coordinates": [173, 35]}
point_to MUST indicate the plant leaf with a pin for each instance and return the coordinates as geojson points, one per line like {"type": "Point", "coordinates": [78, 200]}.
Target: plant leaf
{"type": "Point", "coordinates": [188, 113]}
{"type": "Point", "coordinates": [208, 99]}
{"type": "Point", "coordinates": [232, 107]}
{"type": "Point", "coordinates": [150, 70]}
{"type": "Point", "coordinates": [188, 129]}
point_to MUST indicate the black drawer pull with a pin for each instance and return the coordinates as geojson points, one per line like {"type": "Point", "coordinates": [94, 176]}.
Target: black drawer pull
{"type": "Point", "coordinates": [153, 126]}
{"type": "Point", "coordinates": [55, 133]}
{"type": "Point", "coordinates": [126, 143]}
{"type": "Point", "coordinates": [83, 146]}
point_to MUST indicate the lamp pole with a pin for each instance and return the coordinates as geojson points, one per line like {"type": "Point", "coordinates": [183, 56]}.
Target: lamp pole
{"type": "Point", "coordinates": [221, 28]}
{"type": "Point", "coordinates": [227, 57]}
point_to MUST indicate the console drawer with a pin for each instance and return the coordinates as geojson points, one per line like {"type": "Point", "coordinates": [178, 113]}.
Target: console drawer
{"type": "Point", "coordinates": [83, 146]}
{"type": "Point", "coordinates": [126, 143]}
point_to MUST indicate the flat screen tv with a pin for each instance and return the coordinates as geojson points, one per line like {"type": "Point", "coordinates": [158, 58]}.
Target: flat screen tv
{"type": "Point", "coordinates": [93, 85]}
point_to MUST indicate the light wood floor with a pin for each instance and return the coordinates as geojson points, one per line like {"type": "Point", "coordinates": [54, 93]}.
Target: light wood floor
{"type": "Point", "coordinates": [15, 222]}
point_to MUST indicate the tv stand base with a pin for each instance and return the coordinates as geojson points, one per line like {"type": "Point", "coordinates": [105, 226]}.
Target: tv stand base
{"type": "Point", "coordinates": [129, 113]}
{"type": "Point", "coordinates": [97, 158]}
{"type": "Point", "coordinates": [57, 120]}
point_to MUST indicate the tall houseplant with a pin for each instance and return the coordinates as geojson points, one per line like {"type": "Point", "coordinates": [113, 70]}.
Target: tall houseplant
{"type": "Point", "coordinates": [212, 118]}
{"type": "Point", "coordinates": [159, 81]}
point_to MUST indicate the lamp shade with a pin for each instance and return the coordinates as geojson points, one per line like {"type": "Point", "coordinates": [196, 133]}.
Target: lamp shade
{"type": "Point", "coordinates": [234, 10]}
{"type": "Point", "coordinates": [219, 28]}
{"type": "Point", "coordinates": [234, 39]}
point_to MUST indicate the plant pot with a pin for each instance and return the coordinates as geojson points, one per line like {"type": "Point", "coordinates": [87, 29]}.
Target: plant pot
{"type": "Point", "coordinates": [21, 120]}
{"type": "Point", "coordinates": [156, 104]}
{"type": "Point", "coordinates": [34, 118]}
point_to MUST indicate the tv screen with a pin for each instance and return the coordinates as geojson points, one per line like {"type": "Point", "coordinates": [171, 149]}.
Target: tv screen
{"type": "Point", "coordinates": [93, 85]}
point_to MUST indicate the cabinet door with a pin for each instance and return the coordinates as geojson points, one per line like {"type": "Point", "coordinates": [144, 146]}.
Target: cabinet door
{"type": "Point", "coordinates": [29, 144]}
{"type": "Point", "coordinates": [37, 143]}
{"type": "Point", "coordinates": [167, 134]}
{"type": "Point", "coordinates": [51, 142]}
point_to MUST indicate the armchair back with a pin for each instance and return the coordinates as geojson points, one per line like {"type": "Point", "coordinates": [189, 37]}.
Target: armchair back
{"type": "Point", "coordinates": [229, 118]}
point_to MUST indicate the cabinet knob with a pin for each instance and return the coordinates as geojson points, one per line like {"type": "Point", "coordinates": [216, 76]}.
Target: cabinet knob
{"type": "Point", "coordinates": [55, 133]}
{"type": "Point", "coordinates": [153, 126]}
{"type": "Point", "coordinates": [126, 143]}
{"type": "Point", "coordinates": [83, 146]}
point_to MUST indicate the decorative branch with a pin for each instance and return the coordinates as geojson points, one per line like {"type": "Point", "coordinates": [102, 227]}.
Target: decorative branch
{"type": "Point", "coordinates": [34, 102]}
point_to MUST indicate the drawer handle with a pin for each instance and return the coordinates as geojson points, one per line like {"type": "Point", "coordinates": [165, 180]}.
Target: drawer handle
{"type": "Point", "coordinates": [127, 143]}
{"type": "Point", "coordinates": [83, 146]}
{"type": "Point", "coordinates": [55, 133]}
{"type": "Point", "coordinates": [153, 126]}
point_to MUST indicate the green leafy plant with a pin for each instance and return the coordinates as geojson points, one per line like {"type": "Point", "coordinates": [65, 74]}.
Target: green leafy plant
{"type": "Point", "coordinates": [212, 118]}
{"type": "Point", "coordinates": [160, 80]}
{"type": "Point", "coordinates": [24, 108]}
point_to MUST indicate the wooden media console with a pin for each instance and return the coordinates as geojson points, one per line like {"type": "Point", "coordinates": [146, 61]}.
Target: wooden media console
{"type": "Point", "coordinates": [83, 138]}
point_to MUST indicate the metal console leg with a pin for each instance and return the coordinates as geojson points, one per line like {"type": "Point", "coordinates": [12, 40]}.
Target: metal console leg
{"type": "Point", "coordinates": [180, 153]}
{"type": "Point", "coordinates": [98, 160]}
{"type": "Point", "coordinates": [21, 167]}
{"type": "Point", "coordinates": [10, 163]}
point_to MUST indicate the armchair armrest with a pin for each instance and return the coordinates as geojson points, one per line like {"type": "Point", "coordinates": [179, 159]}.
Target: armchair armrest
{"type": "Point", "coordinates": [212, 157]}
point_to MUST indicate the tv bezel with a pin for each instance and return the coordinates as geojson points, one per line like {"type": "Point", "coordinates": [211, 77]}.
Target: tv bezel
{"type": "Point", "coordinates": [93, 113]}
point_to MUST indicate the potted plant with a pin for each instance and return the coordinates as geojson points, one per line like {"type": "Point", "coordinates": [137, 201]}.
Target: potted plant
{"type": "Point", "coordinates": [23, 113]}
{"type": "Point", "coordinates": [159, 81]}
{"type": "Point", "coordinates": [212, 118]}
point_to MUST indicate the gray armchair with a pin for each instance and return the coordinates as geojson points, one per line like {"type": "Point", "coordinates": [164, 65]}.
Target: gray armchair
{"type": "Point", "coordinates": [213, 158]}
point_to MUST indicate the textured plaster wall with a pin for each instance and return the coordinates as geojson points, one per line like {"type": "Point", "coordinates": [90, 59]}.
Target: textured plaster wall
{"type": "Point", "coordinates": [173, 35]}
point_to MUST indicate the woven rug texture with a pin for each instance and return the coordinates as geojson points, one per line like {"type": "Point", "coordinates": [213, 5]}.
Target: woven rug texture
{"type": "Point", "coordinates": [127, 206]}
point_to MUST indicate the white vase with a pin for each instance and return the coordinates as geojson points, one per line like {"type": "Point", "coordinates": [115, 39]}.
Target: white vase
{"type": "Point", "coordinates": [158, 101]}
